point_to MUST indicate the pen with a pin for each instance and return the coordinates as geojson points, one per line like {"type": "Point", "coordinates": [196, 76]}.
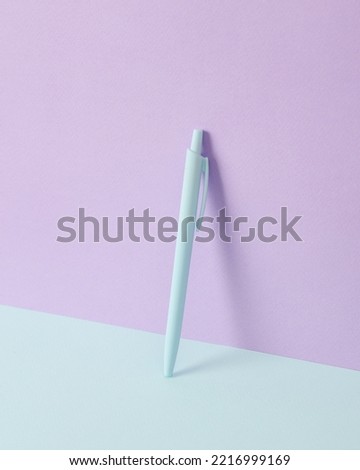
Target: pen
{"type": "Point", "coordinates": [196, 166]}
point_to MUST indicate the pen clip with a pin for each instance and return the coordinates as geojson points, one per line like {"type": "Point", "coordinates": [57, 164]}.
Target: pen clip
{"type": "Point", "coordinates": [205, 171]}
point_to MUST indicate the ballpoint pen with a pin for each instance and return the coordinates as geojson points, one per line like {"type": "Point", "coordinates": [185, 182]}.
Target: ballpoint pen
{"type": "Point", "coordinates": [195, 167]}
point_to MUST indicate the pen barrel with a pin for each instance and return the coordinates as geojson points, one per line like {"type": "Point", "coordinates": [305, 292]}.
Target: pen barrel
{"type": "Point", "coordinates": [184, 244]}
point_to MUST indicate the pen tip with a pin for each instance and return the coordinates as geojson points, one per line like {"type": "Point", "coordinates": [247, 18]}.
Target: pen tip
{"type": "Point", "coordinates": [168, 370]}
{"type": "Point", "coordinates": [169, 363]}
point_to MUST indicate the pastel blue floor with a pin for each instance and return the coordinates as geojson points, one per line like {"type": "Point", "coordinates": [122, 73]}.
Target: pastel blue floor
{"type": "Point", "coordinates": [73, 384]}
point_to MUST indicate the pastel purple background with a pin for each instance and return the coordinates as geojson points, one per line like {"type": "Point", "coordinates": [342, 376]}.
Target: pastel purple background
{"type": "Point", "coordinates": [98, 102]}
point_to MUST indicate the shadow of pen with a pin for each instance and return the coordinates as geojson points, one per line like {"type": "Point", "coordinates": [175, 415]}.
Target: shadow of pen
{"type": "Point", "coordinates": [233, 263]}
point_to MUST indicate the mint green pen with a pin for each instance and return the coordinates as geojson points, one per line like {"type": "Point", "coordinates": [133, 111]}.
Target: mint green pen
{"type": "Point", "coordinates": [195, 166]}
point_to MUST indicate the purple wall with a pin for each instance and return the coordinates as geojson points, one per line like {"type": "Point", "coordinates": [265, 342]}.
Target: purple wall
{"type": "Point", "coordinates": [98, 102]}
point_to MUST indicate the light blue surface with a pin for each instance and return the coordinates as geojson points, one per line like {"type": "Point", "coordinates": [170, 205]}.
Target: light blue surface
{"type": "Point", "coordinates": [196, 165]}
{"type": "Point", "coordinates": [73, 384]}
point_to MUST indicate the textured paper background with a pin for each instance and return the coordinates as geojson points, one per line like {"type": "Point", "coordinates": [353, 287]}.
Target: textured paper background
{"type": "Point", "coordinates": [98, 102]}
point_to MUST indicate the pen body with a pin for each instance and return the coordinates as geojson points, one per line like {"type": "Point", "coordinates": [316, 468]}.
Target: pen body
{"type": "Point", "coordinates": [184, 244]}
